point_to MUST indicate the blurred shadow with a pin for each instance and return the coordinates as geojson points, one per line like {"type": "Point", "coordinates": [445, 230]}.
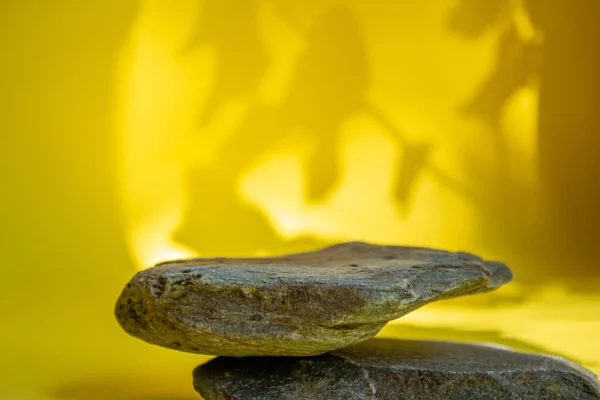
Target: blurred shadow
{"type": "Point", "coordinates": [231, 29]}
{"type": "Point", "coordinates": [218, 216]}
{"type": "Point", "coordinates": [565, 62]}
{"type": "Point", "coordinates": [326, 89]}
{"type": "Point", "coordinates": [401, 331]}
{"type": "Point", "coordinates": [120, 389]}
{"type": "Point", "coordinates": [516, 66]}
{"type": "Point", "coordinates": [472, 18]}
{"type": "Point", "coordinates": [569, 128]}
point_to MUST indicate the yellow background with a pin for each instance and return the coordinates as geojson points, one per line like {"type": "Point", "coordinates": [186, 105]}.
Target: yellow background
{"type": "Point", "coordinates": [135, 132]}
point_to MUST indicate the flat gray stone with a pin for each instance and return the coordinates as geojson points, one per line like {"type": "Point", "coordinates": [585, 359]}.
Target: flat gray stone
{"type": "Point", "coordinates": [398, 369]}
{"type": "Point", "coordinates": [296, 305]}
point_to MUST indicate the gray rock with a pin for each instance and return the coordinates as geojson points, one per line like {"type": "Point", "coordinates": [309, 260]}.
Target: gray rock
{"type": "Point", "coordinates": [296, 305]}
{"type": "Point", "coordinates": [398, 369]}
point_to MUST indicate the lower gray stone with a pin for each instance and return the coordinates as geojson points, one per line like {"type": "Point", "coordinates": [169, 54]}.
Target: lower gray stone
{"type": "Point", "coordinates": [398, 369]}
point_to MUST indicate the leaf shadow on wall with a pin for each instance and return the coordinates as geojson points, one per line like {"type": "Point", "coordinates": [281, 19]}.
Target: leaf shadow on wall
{"type": "Point", "coordinates": [328, 87]}
{"type": "Point", "coordinates": [552, 223]}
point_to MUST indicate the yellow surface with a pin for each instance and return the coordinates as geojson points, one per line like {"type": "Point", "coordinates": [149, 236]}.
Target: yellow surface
{"type": "Point", "coordinates": [111, 162]}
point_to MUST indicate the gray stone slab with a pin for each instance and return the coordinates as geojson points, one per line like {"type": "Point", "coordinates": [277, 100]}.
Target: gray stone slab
{"type": "Point", "coordinates": [295, 305]}
{"type": "Point", "coordinates": [386, 369]}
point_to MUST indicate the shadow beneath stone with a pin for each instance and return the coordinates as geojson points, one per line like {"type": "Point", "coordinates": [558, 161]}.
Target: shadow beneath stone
{"type": "Point", "coordinates": [489, 337]}
{"type": "Point", "coordinates": [149, 388]}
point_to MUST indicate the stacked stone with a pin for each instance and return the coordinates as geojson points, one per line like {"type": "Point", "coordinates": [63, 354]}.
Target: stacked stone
{"type": "Point", "coordinates": [301, 327]}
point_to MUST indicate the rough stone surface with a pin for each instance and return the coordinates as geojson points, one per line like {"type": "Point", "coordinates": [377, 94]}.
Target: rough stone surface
{"type": "Point", "coordinates": [398, 369]}
{"type": "Point", "coordinates": [296, 305]}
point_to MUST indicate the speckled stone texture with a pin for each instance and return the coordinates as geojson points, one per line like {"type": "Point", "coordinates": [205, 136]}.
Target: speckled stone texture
{"type": "Point", "coordinates": [296, 305]}
{"type": "Point", "coordinates": [386, 369]}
